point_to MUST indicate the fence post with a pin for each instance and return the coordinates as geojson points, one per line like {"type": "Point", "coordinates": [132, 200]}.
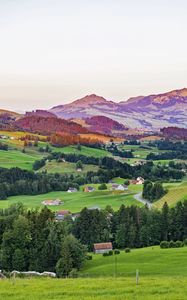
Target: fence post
{"type": "Point", "coordinates": [137, 277]}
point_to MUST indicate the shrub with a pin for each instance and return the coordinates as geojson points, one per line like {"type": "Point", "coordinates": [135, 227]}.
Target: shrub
{"type": "Point", "coordinates": [116, 251]}
{"type": "Point", "coordinates": [179, 244]}
{"type": "Point", "coordinates": [105, 254]}
{"type": "Point", "coordinates": [172, 244]}
{"type": "Point", "coordinates": [185, 242]}
{"type": "Point", "coordinates": [110, 252]}
{"type": "Point", "coordinates": [73, 273]}
{"type": "Point", "coordinates": [89, 257]}
{"type": "Point", "coordinates": [164, 245]}
{"type": "Point", "coordinates": [127, 250]}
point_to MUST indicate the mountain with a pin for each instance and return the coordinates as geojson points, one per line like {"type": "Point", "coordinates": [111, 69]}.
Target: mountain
{"type": "Point", "coordinates": [104, 125]}
{"type": "Point", "coordinates": [147, 112]}
{"type": "Point", "coordinates": [43, 125]}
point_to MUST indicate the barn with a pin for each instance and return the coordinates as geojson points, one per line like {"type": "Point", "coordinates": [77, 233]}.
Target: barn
{"type": "Point", "coordinates": [102, 247]}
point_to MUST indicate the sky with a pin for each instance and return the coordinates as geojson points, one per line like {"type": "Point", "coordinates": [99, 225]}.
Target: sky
{"type": "Point", "coordinates": [55, 51]}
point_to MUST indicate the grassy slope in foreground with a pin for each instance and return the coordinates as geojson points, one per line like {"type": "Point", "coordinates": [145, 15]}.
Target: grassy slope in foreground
{"type": "Point", "coordinates": [149, 288]}
{"type": "Point", "coordinates": [151, 261]}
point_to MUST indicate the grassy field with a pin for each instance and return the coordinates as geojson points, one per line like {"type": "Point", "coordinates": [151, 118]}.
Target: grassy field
{"type": "Point", "coordinates": [66, 167]}
{"type": "Point", "coordinates": [14, 158]}
{"type": "Point", "coordinates": [77, 201]}
{"type": "Point", "coordinates": [150, 261]}
{"type": "Point", "coordinates": [162, 276]}
{"type": "Point", "coordinates": [175, 193]}
{"type": "Point", "coordinates": [149, 288]}
{"type": "Point", "coordinates": [87, 151]}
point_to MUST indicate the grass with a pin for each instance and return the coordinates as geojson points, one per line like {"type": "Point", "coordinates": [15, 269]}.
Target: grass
{"type": "Point", "coordinates": [150, 261]}
{"type": "Point", "coordinates": [87, 151]}
{"type": "Point", "coordinates": [153, 288]}
{"type": "Point", "coordinates": [175, 194]}
{"type": "Point", "coordinates": [66, 167]}
{"type": "Point", "coordinates": [162, 276]}
{"type": "Point", "coordinates": [14, 158]}
{"type": "Point", "coordinates": [77, 201]}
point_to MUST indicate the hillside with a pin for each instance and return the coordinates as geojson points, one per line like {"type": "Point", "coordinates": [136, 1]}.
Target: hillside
{"type": "Point", "coordinates": [48, 125]}
{"type": "Point", "coordinates": [148, 112]}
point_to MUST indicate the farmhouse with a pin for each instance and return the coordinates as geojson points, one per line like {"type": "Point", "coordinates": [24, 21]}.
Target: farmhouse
{"type": "Point", "coordinates": [72, 190]}
{"type": "Point", "coordinates": [140, 180]}
{"type": "Point", "coordinates": [119, 187]}
{"type": "Point", "coordinates": [89, 189]}
{"type": "Point", "coordinates": [60, 215]}
{"type": "Point", "coordinates": [102, 247]}
{"type": "Point", "coordinates": [52, 202]}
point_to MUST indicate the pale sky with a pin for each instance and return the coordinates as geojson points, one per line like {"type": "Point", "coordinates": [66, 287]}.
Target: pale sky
{"type": "Point", "coordinates": [55, 51]}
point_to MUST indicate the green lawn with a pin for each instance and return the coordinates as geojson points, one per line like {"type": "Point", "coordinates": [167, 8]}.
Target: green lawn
{"type": "Point", "coordinates": [149, 288]}
{"type": "Point", "coordinates": [77, 201]}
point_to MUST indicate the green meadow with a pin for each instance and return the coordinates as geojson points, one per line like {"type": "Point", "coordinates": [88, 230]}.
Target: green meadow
{"type": "Point", "coordinates": [149, 288]}
{"type": "Point", "coordinates": [14, 158]}
{"type": "Point", "coordinates": [162, 276]}
{"type": "Point", "coordinates": [150, 261]}
{"type": "Point", "coordinates": [176, 192]}
{"type": "Point", "coordinates": [66, 167]}
{"type": "Point", "coordinates": [77, 201]}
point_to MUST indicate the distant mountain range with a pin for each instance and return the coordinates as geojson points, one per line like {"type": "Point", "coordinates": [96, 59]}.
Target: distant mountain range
{"type": "Point", "coordinates": [148, 112]}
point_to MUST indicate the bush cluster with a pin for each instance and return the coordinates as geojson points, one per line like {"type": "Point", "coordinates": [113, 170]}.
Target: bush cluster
{"type": "Point", "coordinates": [171, 244]}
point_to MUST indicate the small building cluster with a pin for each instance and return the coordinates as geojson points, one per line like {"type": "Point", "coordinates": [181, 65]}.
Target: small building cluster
{"type": "Point", "coordinates": [52, 202]}
{"type": "Point", "coordinates": [139, 180]}
{"type": "Point", "coordinates": [119, 187]}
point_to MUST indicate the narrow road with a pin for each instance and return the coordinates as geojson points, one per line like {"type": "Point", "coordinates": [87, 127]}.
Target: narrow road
{"type": "Point", "coordinates": [139, 198]}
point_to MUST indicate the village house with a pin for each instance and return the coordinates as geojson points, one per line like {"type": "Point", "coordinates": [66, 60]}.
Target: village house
{"type": "Point", "coordinates": [140, 180]}
{"type": "Point", "coordinates": [79, 170]}
{"type": "Point", "coordinates": [52, 202]}
{"type": "Point", "coordinates": [102, 247]}
{"type": "Point", "coordinates": [61, 214]}
{"type": "Point", "coordinates": [74, 216]}
{"type": "Point", "coordinates": [72, 190]}
{"type": "Point", "coordinates": [94, 208]}
{"type": "Point", "coordinates": [89, 189]}
{"type": "Point", "coordinates": [119, 187]}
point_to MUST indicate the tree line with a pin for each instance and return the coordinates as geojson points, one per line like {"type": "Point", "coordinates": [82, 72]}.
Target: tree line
{"type": "Point", "coordinates": [33, 240]}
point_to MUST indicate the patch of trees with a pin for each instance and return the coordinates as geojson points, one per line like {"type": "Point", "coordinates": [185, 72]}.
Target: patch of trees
{"type": "Point", "coordinates": [61, 139]}
{"type": "Point", "coordinates": [116, 152]}
{"type": "Point", "coordinates": [21, 182]}
{"type": "Point", "coordinates": [132, 227]}
{"type": "Point", "coordinates": [133, 142]}
{"type": "Point", "coordinates": [169, 145]}
{"type": "Point", "coordinates": [153, 191]}
{"type": "Point", "coordinates": [33, 240]}
{"type": "Point", "coordinates": [167, 155]}
{"type": "Point", "coordinates": [3, 147]}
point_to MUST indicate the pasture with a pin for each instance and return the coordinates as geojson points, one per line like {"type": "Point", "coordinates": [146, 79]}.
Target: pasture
{"type": "Point", "coordinates": [162, 276]}
{"type": "Point", "coordinates": [176, 192]}
{"type": "Point", "coordinates": [77, 201]}
{"type": "Point", "coordinates": [149, 288]}
{"type": "Point", "coordinates": [66, 167]}
{"type": "Point", "coordinates": [150, 261]}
